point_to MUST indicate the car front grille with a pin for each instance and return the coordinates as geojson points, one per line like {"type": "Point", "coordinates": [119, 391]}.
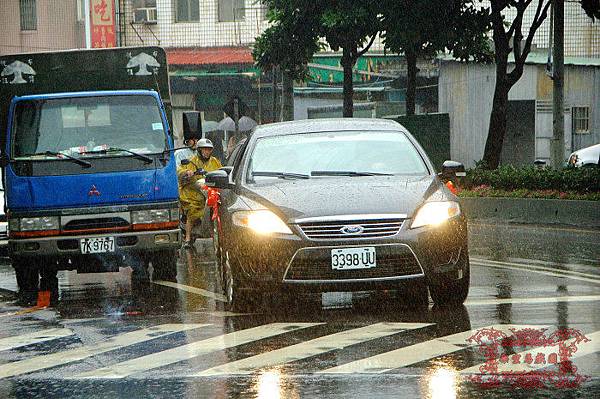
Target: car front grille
{"type": "Point", "coordinates": [367, 229]}
{"type": "Point", "coordinates": [314, 264]}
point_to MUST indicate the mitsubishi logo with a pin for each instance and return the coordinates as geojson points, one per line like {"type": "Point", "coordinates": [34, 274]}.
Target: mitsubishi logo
{"type": "Point", "coordinates": [352, 229]}
{"type": "Point", "coordinates": [93, 192]}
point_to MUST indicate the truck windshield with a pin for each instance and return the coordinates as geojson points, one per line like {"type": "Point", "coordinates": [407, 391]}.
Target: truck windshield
{"type": "Point", "coordinates": [87, 127]}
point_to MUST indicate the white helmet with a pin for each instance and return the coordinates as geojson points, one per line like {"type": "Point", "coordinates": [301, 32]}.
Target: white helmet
{"type": "Point", "coordinates": [204, 143]}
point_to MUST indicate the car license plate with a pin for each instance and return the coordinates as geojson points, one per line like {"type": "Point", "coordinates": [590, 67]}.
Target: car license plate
{"type": "Point", "coordinates": [353, 258]}
{"type": "Point", "coordinates": [97, 245]}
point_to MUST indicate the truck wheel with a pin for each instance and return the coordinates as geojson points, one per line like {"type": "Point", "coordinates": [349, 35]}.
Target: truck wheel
{"type": "Point", "coordinates": [164, 266]}
{"type": "Point", "coordinates": [28, 277]}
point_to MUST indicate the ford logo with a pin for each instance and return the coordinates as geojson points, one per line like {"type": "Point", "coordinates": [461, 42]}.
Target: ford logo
{"type": "Point", "coordinates": [353, 229]}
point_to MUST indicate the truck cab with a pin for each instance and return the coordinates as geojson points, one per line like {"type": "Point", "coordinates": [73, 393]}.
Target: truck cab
{"type": "Point", "coordinates": [89, 172]}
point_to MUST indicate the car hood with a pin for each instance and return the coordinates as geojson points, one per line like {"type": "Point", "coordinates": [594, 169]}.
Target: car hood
{"type": "Point", "coordinates": [344, 196]}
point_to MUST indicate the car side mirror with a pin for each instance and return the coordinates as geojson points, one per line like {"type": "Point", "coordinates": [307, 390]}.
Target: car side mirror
{"type": "Point", "coordinates": [227, 169]}
{"type": "Point", "coordinates": [452, 169]}
{"type": "Point", "coordinates": [218, 179]}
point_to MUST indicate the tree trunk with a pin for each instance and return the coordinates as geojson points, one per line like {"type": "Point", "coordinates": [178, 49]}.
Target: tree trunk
{"type": "Point", "coordinates": [347, 64]}
{"type": "Point", "coordinates": [497, 128]}
{"type": "Point", "coordinates": [411, 81]}
{"type": "Point", "coordinates": [287, 97]}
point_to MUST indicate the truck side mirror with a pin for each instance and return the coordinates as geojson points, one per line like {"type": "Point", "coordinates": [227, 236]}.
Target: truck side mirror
{"type": "Point", "coordinates": [452, 169]}
{"type": "Point", "coordinates": [192, 125]}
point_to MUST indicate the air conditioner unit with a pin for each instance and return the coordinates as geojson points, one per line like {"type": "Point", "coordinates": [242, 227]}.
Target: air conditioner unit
{"type": "Point", "coordinates": [144, 15]}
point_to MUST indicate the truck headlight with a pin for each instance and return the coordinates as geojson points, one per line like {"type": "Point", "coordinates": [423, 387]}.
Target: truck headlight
{"type": "Point", "coordinates": [150, 216]}
{"type": "Point", "coordinates": [261, 221]}
{"type": "Point", "coordinates": [34, 224]}
{"type": "Point", "coordinates": [435, 213]}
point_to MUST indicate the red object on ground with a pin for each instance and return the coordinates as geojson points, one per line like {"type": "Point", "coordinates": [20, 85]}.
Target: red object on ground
{"type": "Point", "coordinates": [43, 299]}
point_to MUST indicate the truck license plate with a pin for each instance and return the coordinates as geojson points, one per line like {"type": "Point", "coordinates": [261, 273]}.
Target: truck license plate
{"type": "Point", "coordinates": [353, 258]}
{"type": "Point", "coordinates": [97, 245]}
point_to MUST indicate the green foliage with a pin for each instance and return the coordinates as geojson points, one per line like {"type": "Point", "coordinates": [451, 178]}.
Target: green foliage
{"type": "Point", "coordinates": [427, 27]}
{"type": "Point", "coordinates": [577, 180]}
{"type": "Point", "coordinates": [525, 193]}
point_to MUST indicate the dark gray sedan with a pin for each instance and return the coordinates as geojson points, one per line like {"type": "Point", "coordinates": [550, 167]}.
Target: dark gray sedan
{"type": "Point", "coordinates": [338, 205]}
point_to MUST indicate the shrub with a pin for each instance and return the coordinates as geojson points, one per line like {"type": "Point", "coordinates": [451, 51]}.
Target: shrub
{"type": "Point", "coordinates": [509, 178]}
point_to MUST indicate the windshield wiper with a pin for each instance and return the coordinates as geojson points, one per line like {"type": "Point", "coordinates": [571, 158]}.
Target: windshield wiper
{"type": "Point", "coordinates": [118, 149]}
{"type": "Point", "coordinates": [346, 173]}
{"type": "Point", "coordinates": [281, 175]}
{"type": "Point", "coordinates": [78, 161]}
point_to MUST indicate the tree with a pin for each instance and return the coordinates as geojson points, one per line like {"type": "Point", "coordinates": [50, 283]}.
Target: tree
{"type": "Point", "coordinates": [591, 8]}
{"type": "Point", "coordinates": [288, 43]}
{"type": "Point", "coordinates": [421, 29]}
{"type": "Point", "coordinates": [508, 39]}
{"type": "Point", "coordinates": [352, 26]}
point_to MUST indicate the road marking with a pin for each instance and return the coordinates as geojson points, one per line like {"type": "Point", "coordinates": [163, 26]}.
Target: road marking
{"type": "Point", "coordinates": [117, 342]}
{"type": "Point", "coordinates": [310, 348]}
{"type": "Point", "coordinates": [537, 267]}
{"type": "Point", "coordinates": [195, 349]}
{"type": "Point", "coordinates": [583, 349]}
{"type": "Point", "coordinates": [522, 269]}
{"type": "Point", "coordinates": [412, 354]}
{"type": "Point", "coordinates": [34, 338]}
{"type": "Point", "coordinates": [530, 301]}
{"type": "Point", "coordinates": [193, 290]}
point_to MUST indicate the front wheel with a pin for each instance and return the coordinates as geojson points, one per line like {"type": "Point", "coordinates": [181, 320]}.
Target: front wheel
{"type": "Point", "coordinates": [453, 292]}
{"type": "Point", "coordinates": [237, 296]}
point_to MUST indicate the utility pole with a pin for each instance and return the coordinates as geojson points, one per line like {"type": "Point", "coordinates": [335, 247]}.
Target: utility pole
{"type": "Point", "coordinates": [558, 63]}
{"type": "Point", "coordinates": [87, 23]}
{"type": "Point", "coordinates": [274, 77]}
{"type": "Point", "coordinates": [287, 97]}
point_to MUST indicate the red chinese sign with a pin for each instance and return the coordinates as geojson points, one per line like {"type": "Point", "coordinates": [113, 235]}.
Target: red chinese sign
{"type": "Point", "coordinates": [547, 350]}
{"type": "Point", "coordinates": [103, 23]}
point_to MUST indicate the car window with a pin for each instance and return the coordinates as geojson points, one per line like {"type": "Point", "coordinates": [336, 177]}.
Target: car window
{"type": "Point", "coordinates": [372, 152]}
{"type": "Point", "coordinates": [236, 155]}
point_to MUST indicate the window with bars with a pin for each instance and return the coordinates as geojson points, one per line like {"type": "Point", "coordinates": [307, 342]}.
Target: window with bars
{"type": "Point", "coordinates": [28, 11]}
{"type": "Point", "coordinates": [232, 10]}
{"type": "Point", "coordinates": [187, 10]}
{"type": "Point", "coordinates": [581, 120]}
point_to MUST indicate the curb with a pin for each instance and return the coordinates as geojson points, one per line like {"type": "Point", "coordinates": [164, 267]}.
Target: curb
{"type": "Point", "coordinates": [534, 211]}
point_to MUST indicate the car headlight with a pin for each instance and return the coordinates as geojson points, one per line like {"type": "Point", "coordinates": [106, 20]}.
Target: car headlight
{"type": "Point", "coordinates": [261, 221]}
{"type": "Point", "coordinates": [150, 216]}
{"type": "Point", "coordinates": [35, 224]}
{"type": "Point", "coordinates": [435, 213]}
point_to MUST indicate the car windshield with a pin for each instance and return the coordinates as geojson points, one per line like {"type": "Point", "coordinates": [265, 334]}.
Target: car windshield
{"type": "Point", "coordinates": [348, 153]}
{"type": "Point", "coordinates": [87, 127]}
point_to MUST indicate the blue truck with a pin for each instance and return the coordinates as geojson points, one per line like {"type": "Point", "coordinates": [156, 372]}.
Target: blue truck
{"type": "Point", "coordinates": [87, 164]}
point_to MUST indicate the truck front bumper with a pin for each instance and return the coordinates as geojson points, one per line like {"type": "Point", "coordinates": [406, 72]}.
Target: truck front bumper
{"type": "Point", "coordinates": [67, 246]}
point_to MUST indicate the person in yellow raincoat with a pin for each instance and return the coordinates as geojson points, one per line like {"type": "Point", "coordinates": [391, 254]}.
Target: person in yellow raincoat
{"type": "Point", "coordinates": [191, 198]}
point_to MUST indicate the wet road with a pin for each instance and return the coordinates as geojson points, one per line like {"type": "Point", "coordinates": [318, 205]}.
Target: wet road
{"type": "Point", "coordinates": [107, 339]}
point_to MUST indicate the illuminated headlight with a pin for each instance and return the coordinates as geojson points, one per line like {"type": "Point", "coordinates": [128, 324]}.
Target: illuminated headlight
{"type": "Point", "coordinates": [435, 213]}
{"type": "Point", "coordinates": [34, 224]}
{"type": "Point", "coordinates": [151, 216]}
{"type": "Point", "coordinates": [261, 221]}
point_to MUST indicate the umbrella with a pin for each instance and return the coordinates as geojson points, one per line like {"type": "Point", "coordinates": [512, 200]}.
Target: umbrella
{"type": "Point", "coordinates": [245, 124]}
{"type": "Point", "coordinates": [209, 126]}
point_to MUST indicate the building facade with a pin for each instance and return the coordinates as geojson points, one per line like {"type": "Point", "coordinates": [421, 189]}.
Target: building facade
{"type": "Point", "coordinates": [41, 25]}
{"type": "Point", "coordinates": [466, 94]}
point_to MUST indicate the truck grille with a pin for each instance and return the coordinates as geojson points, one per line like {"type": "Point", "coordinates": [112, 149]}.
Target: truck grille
{"type": "Point", "coordinates": [366, 229]}
{"type": "Point", "coordinates": [315, 264]}
{"type": "Point", "coordinates": [95, 224]}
